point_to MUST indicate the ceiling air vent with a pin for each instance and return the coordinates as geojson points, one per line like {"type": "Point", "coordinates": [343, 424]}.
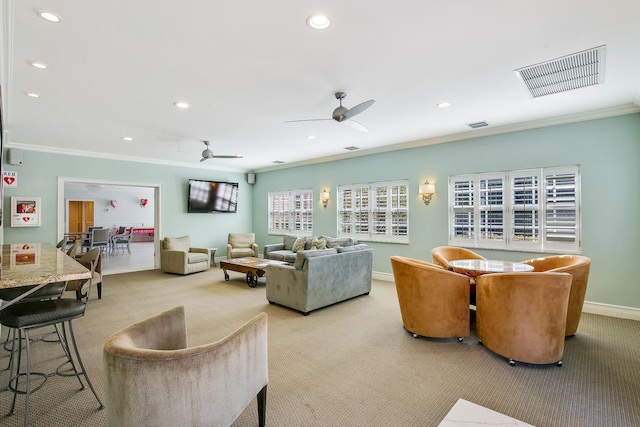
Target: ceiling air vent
{"type": "Point", "coordinates": [570, 72]}
{"type": "Point", "coordinates": [352, 148]}
{"type": "Point", "coordinates": [478, 125]}
{"type": "Point", "coordinates": [278, 162]}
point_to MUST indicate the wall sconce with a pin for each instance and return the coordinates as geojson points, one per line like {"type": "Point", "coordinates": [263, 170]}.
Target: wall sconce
{"type": "Point", "coordinates": [427, 191]}
{"type": "Point", "coordinates": [324, 198]}
{"type": "Point", "coordinates": [143, 202]}
{"type": "Point", "coordinates": [113, 203]}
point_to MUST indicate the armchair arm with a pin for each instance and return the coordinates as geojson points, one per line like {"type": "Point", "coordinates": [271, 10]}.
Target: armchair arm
{"type": "Point", "coordinates": [200, 250]}
{"type": "Point", "coordinates": [254, 246]}
{"type": "Point", "coordinates": [173, 261]}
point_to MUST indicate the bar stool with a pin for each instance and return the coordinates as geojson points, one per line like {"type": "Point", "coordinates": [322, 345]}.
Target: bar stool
{"type": "Point", "coordinates": [24, 317]}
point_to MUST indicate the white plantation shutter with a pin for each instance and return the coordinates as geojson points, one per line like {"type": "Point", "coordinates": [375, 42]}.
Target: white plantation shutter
{"type": "Point", "coordinates": [534, 210]}
{"type": "Point", "coordinates": [376, 212]}
{"type": "Point", "coordinates": [562, 214]}
{"type": "Point", "coordinates": [291, 212]}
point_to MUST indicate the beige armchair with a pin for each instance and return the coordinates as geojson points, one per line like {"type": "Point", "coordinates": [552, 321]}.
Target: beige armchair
{"type": "Point", "coordinates": [522, 316]}
{"type": "Point", "coordinates": [177, 256]}
{"type": "Point", "coordinates": [433, 302]}
{"type": "Point", "coordinates": [242, 245]}
{"type": "Point", "coordinates": [576, 265]}
{"type": "Point", "coordinates": [153, 379]}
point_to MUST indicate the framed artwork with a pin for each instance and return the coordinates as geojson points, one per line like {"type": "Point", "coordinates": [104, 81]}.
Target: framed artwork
{"type": "Point", "coordinates": [25, 211]}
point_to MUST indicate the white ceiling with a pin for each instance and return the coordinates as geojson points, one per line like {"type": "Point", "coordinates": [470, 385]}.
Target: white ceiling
{"type": "Point", "coordinates": [246, 67]}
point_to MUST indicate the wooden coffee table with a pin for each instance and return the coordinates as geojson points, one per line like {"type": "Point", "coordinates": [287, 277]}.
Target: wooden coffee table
{"type": "Point", "coordinates": [252, 267]}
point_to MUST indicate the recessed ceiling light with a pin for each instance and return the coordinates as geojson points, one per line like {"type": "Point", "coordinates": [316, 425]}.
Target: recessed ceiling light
{"type": "Point", "coordinates": [444, 105]}
{"type": "Point", "coordinates": [318, 22]}
{"type": "Point", "coordinates": [39, 65]}
{"type": "Point", "coordinates": [49, 16]}
{"type": "Point", "coordinates": [127, 138]}
{"type": "Point", "coordinates": [180, 104]}
{"type": "Point", "coordinates": [311, 137]}
{"type": "Point", "coordinates": [33, 95]}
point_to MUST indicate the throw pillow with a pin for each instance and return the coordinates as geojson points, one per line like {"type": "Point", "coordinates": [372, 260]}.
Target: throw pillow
{"type": "Point", "coordinates": [318, 244]}
{"type": "Point", "coordinates": [298, 245]}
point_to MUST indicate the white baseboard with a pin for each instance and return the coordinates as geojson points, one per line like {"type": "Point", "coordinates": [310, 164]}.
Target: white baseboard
{"type": "Point", "coordinates": [588, 307]}
{"type": "Point", "coordinates": [611, 310]}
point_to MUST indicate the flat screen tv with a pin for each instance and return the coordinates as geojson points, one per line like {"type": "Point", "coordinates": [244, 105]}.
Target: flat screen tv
{"type": "Point", "coordinates": [212, 196]}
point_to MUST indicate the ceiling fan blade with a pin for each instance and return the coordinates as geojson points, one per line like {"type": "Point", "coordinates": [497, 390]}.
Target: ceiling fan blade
{"type": "Point", "coordinates": [306, 120]}
{"type": "Point", "coordinates": [358, 109]}
{"type": "Point", "coordinates": [355, 125]}
{"type": "Point", "coordinates": [204, 158]}
{"type": "Point", "coordinates": [230, 156]}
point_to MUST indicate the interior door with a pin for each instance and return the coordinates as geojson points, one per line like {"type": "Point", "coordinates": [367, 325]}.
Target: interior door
{"type": "Point", "coordinates": [80, 215]}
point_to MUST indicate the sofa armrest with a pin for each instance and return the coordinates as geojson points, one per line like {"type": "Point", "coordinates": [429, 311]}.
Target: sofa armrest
{"type": "Point", "coordinates": [254, 246]}
{"type": "Point", "coordinates": [272, 247]}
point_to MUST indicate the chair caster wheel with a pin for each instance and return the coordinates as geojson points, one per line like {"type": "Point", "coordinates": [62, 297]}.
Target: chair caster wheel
{"type": "Point", "coordinates": [559, 363]}
{"type": "Point", "coordinates": [480, 342]}
{"type": "Point", "coordinates": [459, 339]}
{"type": "Point", "coordinates": [415, 335]}
{"type": "Point", "coordinates": [512, 362]}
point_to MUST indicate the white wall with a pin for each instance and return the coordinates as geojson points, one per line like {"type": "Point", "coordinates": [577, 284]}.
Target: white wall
{"type": "Point", "coordinates": [127, 212]}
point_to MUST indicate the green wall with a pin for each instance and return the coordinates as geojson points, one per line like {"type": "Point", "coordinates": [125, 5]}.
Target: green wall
{"type": "Point", "coordinates": [607, 150]}
{"type": "Point", "coordinates": [38, 177]}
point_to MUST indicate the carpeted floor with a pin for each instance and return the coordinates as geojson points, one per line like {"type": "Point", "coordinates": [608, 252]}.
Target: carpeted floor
{"type": "Point", "coordinates": [351, 364]}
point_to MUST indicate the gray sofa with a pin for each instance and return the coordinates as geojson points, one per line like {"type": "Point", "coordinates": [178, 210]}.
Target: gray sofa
{"type": "Point", "coordinates": [319, 278]}
{"type": "Point", "coordinates": [284, 251]}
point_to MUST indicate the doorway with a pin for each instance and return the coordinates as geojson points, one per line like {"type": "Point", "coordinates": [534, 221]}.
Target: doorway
{"type": "Point", "coordinates": [79, 212]}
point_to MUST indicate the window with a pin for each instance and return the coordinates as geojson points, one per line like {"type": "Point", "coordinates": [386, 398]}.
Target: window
{"type": "Point", "coordinates": [291, 212]}
{"type": "Point", "coordinates": [376, 212]}
{"type": "Point", "coordinates": [535, 210]}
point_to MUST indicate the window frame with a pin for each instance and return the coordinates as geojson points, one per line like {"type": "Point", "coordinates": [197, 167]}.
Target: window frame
{"type": "Point", "coordinates": [532, 202]}
{"type": "Point", "coordinates": [374, 212]}
{"type": "Point", "coordinates": [291, 219]}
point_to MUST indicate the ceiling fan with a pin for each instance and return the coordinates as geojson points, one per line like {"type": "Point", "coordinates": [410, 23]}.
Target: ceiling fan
{"type": "Point", "coordinates": [208, 154]}
{"type": "Point", "coordinates": [344, 114]}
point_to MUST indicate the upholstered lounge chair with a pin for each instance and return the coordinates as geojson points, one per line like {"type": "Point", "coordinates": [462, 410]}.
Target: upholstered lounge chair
{"type": "Point", "coordinates": [433, 302]}
{"type": "Point", "coordinates": [576, 265]}
{"type": "Point", "coordinates": [443, 254]}
{"type": "Point", "coordinates": [522, 316]}
{"type": "Point", "coordinates": [177, 256]}
{"type": "Point", "coordinates": [242, 245]}
{"type": "Point", "coordinates": [153, 379]}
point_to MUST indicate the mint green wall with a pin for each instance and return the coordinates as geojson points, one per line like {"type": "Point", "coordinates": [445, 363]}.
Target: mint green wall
{"type": "Point", "coordinates": [607, 150]}
{"type": "Point", "coordinates": [38, 177]}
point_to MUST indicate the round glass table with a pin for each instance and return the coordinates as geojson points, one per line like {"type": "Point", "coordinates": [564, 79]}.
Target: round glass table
{"type": "Point", "coordinates": [478, 267]}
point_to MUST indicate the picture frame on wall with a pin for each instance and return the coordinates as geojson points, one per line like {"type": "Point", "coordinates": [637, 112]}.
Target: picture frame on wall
{"type": "Point", "coordinates": [25, 211]}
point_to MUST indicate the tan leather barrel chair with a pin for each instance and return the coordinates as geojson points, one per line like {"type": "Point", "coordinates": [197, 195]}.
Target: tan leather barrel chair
{"type": "Point", "coordinates": [576, 265]}
{"type": "Point", "coordinates": [153, 379]}
{"type": "Point", "coordinates": [443, 254]}
{"type": "Point", "coordinates": [433, 302]}
{"type": "Point", "coordinates": [522, 316]}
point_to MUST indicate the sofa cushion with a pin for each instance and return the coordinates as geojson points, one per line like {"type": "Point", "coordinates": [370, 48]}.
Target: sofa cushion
{"type": "Point", "coordinates": [334, 242]}
{"type": "Point", "coordinates": [283, 255]}
{"type": "Point", "coordinates": [298, 245]}
{"type": "Point", "coordinates": [288, 241]}
{"type": "Point", "coordinates": [360, 247]}
{"type": "Point", "coordinates": [318, 243]}
{"type": "Point", "coordinates": [302, 256]}
{"type": "Point", "coordinates": [177, 243]}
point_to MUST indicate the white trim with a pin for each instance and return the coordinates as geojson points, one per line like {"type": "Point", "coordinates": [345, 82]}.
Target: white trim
{"type": "Point", "coordinates": [610, 310]}
{"type": "Point", "coordinates": [387, 277]}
